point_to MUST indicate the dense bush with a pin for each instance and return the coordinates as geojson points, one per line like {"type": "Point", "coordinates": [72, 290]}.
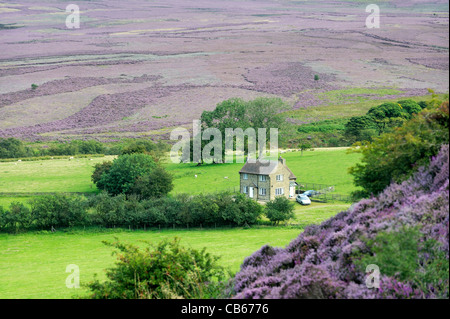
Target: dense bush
{"type": "Point", "coordinates": [156, 184]}
{"type": "Point", "coordinates": [164, 271]}
{"type": "Point", "coordinates": [327, 260]}
{"type": "Point", "coordinates": [279, 210]}
{"type": "Point", "coordinates": [13, 148]}
{"type": "Point", "coordinates": [121, 176]}
{"type": "Point", "coordinates": [17, 218]}
{"type": "Point", "coordinates": [60, 211]}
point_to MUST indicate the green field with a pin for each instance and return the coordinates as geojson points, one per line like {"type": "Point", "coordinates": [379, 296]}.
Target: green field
{"type": "Point", "coordinates": [33, 265]}
{"type": "Point", "coordinates": [59, 175]}
{"type": "Point", "coordinates": [323, 166]}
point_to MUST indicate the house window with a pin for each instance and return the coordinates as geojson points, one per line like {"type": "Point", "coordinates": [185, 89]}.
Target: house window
{"type": "Point", "coordinates": [262, 192]}
{"type": "Point", "coordinates": [245, 176]}
{"type": "Point", "coordinates": [279, 178]}
{"type": "Point", "coordinates": [262, 178]}
{"type": "Point", "coordinates": [279, 191]}
{"type": "Point", "coordinates": [245, 189]}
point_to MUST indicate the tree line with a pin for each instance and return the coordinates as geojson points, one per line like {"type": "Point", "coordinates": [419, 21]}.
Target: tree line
{"type": "Point", "coordinates": [12, 148]}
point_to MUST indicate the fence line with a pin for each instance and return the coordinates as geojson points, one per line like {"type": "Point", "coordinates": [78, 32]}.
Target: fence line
{"type": "Point", "coordinates": [325, 192]}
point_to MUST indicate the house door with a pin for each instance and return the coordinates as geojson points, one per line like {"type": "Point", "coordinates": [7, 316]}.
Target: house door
{"type": "Point", "coordinates": [250, 192]}
{"type": "Point", "coordinates": [292, 191]}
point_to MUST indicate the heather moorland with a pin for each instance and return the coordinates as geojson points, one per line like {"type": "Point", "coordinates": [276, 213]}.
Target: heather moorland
{"type": "Point", "coordinates": [133, 70]}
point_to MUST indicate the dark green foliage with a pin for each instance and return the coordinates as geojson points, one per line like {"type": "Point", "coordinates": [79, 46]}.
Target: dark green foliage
{"type": "Point", "coordinates": [155, 184]}
{"type": "Point", "coordinates": [359, 128]}
{"type": "Point", "coordinates": [164, 271]}
{"type": "Point", "coordinates": [75, 147]}
{"type": "Point", "coordinates": [410, 106]}
{"type": "Point", "coordinates": [17, 218]}
{"type": "Point", "coordinates": [387, 116]}
{"type": "Point", "coordinates": [34, 86]}
{"type": "Point", "coordinates": [99, 169]}
{"type": "Point", "coordinates": [280, 209]}
{"type": "Point", "coordinates": [12, 148]}
{"type": "Point", "coordinates": [423, 104]}
{"type": "Point", "coordinates": [395, 156]}
{"type": "Point", "coordinates": [248, 211]}
{"type": "Point", "coordinates": [109, 211]}
{"type": "Point", "coordinates": [64, 211]}
{"type": "Point", "coordinates": [58, 210]}
{"type": "Point", "coordinates": [316, 77]}
{"type": "Point", "coordinates": [124, 171]}
{"type": "Point", "coordinates": [381, 119]}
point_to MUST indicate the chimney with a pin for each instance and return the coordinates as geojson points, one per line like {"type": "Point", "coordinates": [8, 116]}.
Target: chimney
{"type": "Point", "coordinates": [282, 160]}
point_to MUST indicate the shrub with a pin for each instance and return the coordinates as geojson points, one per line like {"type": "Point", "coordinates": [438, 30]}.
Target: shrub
{"type": "Point", "coordinates": [280, 209]}
{"type": "Point", "coordinates": [59, 210]}
{"type": "Point", "coordinates": [123, 173]}
{"type": "Point", "coordinates": [109, 211]}
{"type": "Point", "coordinates": [17, 218]}
{"type": "Point", "coordinates": [249, 211]}
{"type": "Point", "coordinates": [155, 184]}
{"type": "Point", "coordinates": [164, 271]}
{"type": "Point", "coordinates": [12, 148]}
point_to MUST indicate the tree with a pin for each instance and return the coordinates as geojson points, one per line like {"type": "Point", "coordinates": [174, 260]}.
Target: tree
{"type": "Point", "coordinates": [99, 170]}
{"type": "Point", "coordinates": [410, 106]}
{"type": "Point", "coordinates": [123, 173]}
{"type": "Point", "coordinates": [387, 116]}
{"type": "Point", "coordinates": [155, 184]}
{"type": "Point", "coordinates": [235, 113]}
{"type": "Point", "coordinates": [360, 128]}
{"type": "Point", "coordinates": [280, 209]}
{"type": "Point", "coordinates": [304, 147]}
{"type": "Point", "coordinates": [396, 155]}
{"type": "Point", "coordinates": [12, 148]}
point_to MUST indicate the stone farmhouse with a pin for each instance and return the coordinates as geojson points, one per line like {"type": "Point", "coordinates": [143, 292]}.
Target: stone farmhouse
{"type": "Point", "coordinates": [265, 180]}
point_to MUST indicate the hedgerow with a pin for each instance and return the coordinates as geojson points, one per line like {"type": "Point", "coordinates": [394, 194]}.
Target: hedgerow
{"type": "Point", "coordinates": [52, 212]}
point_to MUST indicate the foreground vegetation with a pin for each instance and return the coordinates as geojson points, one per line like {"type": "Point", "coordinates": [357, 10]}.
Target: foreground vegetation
{"type": "Point", "coordinates": [33, 265]}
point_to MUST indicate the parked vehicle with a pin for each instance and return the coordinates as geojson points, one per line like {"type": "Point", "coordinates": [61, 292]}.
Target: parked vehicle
{"type": "Point", "coordinates": [303, 199]}
{"type": "Point", "coordinates": [310, 193]}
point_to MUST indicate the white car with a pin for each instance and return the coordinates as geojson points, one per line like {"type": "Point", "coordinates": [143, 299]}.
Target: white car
{"type": "Point", "coordinates": [303, 199]}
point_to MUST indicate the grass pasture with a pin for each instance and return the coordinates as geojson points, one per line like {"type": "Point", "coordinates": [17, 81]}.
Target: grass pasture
{"type": "Point", "coordinates": [323, 166]}
{"type": "Point", "coordinates": [59, 175]}
{"type": "Point", "coordinates": [33, 265]}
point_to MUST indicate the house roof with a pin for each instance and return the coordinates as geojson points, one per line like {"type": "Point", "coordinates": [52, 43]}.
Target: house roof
{"type": "Point", "coordinates": [265, 167]}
